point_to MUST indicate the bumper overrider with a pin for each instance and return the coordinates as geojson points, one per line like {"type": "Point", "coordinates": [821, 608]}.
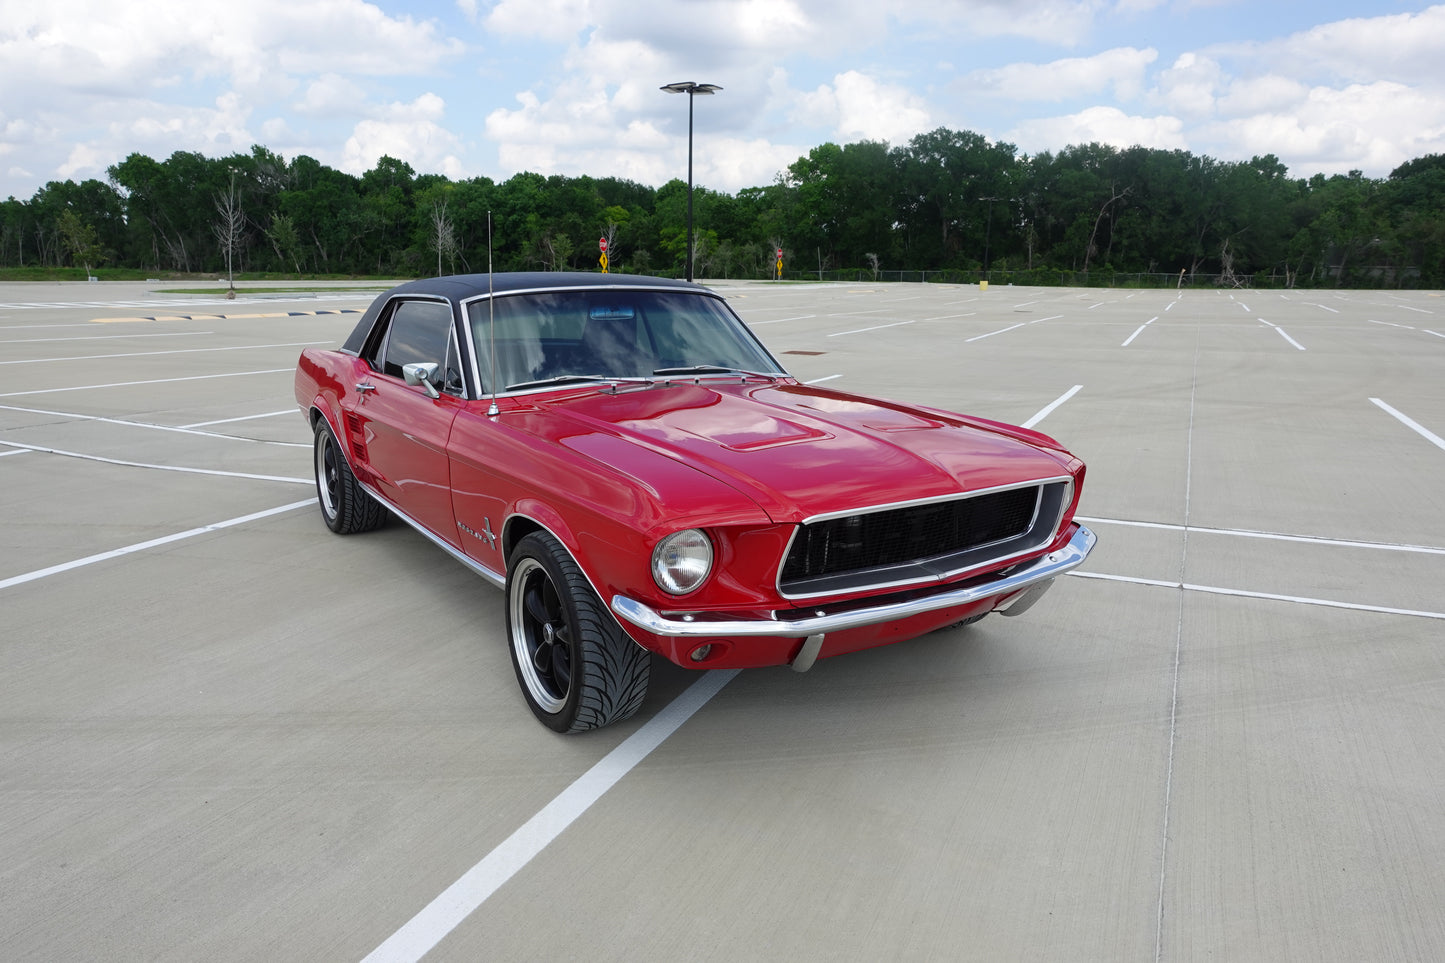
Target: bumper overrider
{"type": "Point", "coordinates": [1016, 591]}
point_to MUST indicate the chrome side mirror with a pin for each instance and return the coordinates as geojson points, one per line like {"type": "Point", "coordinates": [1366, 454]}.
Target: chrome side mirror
{"type": "Point", "coordinates": [422, 376]}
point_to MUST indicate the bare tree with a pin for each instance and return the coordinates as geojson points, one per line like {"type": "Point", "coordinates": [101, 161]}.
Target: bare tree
{"type": "Point", "coordinates": [556, 250]}
{"type": "Point", "coordinates": [873, 263]}
{"type": "Point", "coordinates": [1226, 267]}
{"type": "Point", "coordinates": [443, 235]}
{"type": "Point", "coordinates": [228, 227]}
{"type": "Point", "coordinates": [609, 234]}
{"type": "Point", "coordinates": [1091, 249]}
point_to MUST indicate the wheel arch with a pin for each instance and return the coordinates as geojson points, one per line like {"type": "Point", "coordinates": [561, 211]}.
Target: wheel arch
{"type": "Point", "coordinates": [531, 515]}
{"type": "Point", "coordinates": [535, 516]}
{"type": "Point", "coordinates": [318, 412]}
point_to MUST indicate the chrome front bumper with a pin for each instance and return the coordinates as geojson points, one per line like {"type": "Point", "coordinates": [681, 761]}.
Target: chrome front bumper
{"type": "Point", "coordinates": [1037, 575]}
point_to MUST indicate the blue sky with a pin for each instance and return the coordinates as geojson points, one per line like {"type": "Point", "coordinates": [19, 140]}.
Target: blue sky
{"type": "Point", "coordinates": [493, 87]}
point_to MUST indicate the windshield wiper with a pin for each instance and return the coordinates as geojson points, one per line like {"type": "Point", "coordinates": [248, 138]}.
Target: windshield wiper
{"type": "Point", "coordinates": [559, 380]}
{"type": "Point", "coordinates": [702, 369]}
{"type": "Point", "coordinates": [572, 379]}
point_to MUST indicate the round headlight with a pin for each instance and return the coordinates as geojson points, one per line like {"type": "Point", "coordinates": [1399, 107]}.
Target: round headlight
{"type": "Point", "coordinates": [681, 561]}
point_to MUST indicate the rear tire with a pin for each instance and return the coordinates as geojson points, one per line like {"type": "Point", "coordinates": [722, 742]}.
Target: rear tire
{"type": "Point", "coordinates": [578, 670]}
{"type": "Point", "coordinates": [345, 505]}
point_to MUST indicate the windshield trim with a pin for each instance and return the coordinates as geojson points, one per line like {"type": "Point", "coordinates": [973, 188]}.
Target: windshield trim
{"type": "Point", "coordinates": [465, 305]}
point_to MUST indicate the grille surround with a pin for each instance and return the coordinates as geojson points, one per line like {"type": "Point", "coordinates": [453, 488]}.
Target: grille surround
{"type": "Point", "coordinates": [928, 540]}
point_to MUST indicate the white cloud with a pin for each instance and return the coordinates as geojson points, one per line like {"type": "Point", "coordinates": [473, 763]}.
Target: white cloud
{"type": "Point", "coordinates": [1404, 47]}
{"type": "Point", "coordinates": [570, 86]}
{"type": "Point", "coordinates": [1191, 85]}
{"type": "Point", "coordinates": [330, 94]}
{"type": "Point", "coordinates": [82, 45]}
{"type": "Point", "coordinates": [1257, 95]}
{"type": "Point", "coordinates": [1121, 69]}
{"type": "Point", "coordinates": [1364, 126]}
{"type": "Point", "coordinates": [1107, 125]}
{"type": "Point", "coordinates": [547, 19]}
{"type": "Point", "coordinates": [137, 76]}
{"type": "Point", "coordinates": [409, 132]}
{"type": "Point", "coordinates": [857, 106]}
{"type": "Point", "coordinates": [1061, 23]}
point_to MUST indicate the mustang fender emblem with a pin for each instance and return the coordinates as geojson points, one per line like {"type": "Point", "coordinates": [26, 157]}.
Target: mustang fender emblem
{"type": "Point", "coordinates": [485, 534]}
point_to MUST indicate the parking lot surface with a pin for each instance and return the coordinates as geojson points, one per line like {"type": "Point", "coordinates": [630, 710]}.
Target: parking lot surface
{"type": "Point", "coordinates": [227, 734]}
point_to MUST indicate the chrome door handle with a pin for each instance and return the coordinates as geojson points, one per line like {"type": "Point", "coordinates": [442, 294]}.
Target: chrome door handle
{"type": "Point", "coordinates": [364, 387]}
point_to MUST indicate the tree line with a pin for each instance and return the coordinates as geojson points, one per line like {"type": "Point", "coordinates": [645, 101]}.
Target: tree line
{"type": "Point", "coordinates": [947, 201]}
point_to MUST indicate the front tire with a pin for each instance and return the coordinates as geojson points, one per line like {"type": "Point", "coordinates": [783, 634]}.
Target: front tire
{"type": "Point", "coordinates": [578, 670]}
{"type": "Point", "coordinates": [345, 505]}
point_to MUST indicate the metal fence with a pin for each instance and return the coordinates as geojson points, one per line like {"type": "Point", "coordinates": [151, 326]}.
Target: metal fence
{"type": "Point", "coordinates": [1048, 277]}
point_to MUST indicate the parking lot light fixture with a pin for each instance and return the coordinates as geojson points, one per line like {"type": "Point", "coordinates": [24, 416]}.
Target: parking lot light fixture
{"type": "Point", "coordinates": [691, 88]}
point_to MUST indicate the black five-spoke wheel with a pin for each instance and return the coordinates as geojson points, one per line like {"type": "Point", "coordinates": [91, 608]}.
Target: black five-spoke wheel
{"type": "Point", "coordinates": [577, 668]}
{"type": "Point", "coordinates": [345, 505]}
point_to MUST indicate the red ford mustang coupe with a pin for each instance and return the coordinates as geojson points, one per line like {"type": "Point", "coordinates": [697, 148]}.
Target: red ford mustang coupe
{"type": "Point", "coordinates": [640, 475]}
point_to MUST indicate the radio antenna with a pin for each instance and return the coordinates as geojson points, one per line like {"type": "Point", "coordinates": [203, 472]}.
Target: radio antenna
{"type": "Point", "coordinates": [493, 411]}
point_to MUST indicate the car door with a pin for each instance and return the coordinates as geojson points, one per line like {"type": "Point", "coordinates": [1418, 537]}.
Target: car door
{"type": "Point", "coordinates": [404, 428]}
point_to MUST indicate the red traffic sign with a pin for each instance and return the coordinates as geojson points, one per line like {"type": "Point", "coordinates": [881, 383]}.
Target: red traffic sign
{"type": "Point", "coordinates": [602, 244]}
{"type": "Point", "coordinates": [780, 252]}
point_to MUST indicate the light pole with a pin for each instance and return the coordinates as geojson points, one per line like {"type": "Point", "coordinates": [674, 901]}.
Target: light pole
{"type": "Point", "coordinates": [691, 88]}
{"type": "Point", "coordinates": [987, 231]}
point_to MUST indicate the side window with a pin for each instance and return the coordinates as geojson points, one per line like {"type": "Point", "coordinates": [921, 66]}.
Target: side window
{"type": "Point", "coordinates": [420, 332]}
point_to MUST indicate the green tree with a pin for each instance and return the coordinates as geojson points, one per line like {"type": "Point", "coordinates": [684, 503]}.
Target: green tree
{"type": "Point", "coordinates": [80, 240]}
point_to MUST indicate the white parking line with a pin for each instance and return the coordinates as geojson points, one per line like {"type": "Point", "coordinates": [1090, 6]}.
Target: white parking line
{"type": "Point", "coordinates": [1414, 426]}
{"type": "Point", "coordinates": [157, 381]}
{"type": "Point", "coordinates": [227, 421]}
{"type": "Point", "coordinates": [110, 337]}
{"type": "Point", "coordinates": [1274, 536]}
{"type": "Point", "coordinates": [1268, 596]}
{"type": "Point", "coordinates": [980, 337]}
{"type": "Point", "coordinates": [822, 379]}
{"type": "Point", "coordinates": [876, 327]}
{"type": "Point", "coordinates": [183, 429]}
{"type": "Point", "coordinates": [140, 464]}
{"type": "Point", "coordinates": [1282, 333]}
{"type": "Point", "coordinates": [1051, 406]}
{"type": "Point", "coordinates": [458, 901]}
{"type": "Point", "coordinates": [153, 543]}
{"type": "Point", "coordinates": [149, 354]}
{"type": "Point", "coordinates": [801, 317]}
{"type": "Point", "coordinates": [1140, 330]}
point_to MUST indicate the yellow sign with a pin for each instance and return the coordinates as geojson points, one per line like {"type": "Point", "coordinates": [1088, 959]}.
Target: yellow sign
{"type": "Point", "coordinates": [603, 261]}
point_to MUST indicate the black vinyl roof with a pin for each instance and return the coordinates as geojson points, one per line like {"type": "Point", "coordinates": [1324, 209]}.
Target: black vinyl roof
{"type": "Point", "coordinates": [457, 288]}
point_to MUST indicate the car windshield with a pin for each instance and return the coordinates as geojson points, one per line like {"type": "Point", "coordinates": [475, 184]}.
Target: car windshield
{"type": "Point", "coordinates": [546, 338]}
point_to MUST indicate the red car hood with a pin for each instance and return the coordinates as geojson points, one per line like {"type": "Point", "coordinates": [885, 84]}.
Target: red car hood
{"type": "Point", "coordinates": [800, 451]}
